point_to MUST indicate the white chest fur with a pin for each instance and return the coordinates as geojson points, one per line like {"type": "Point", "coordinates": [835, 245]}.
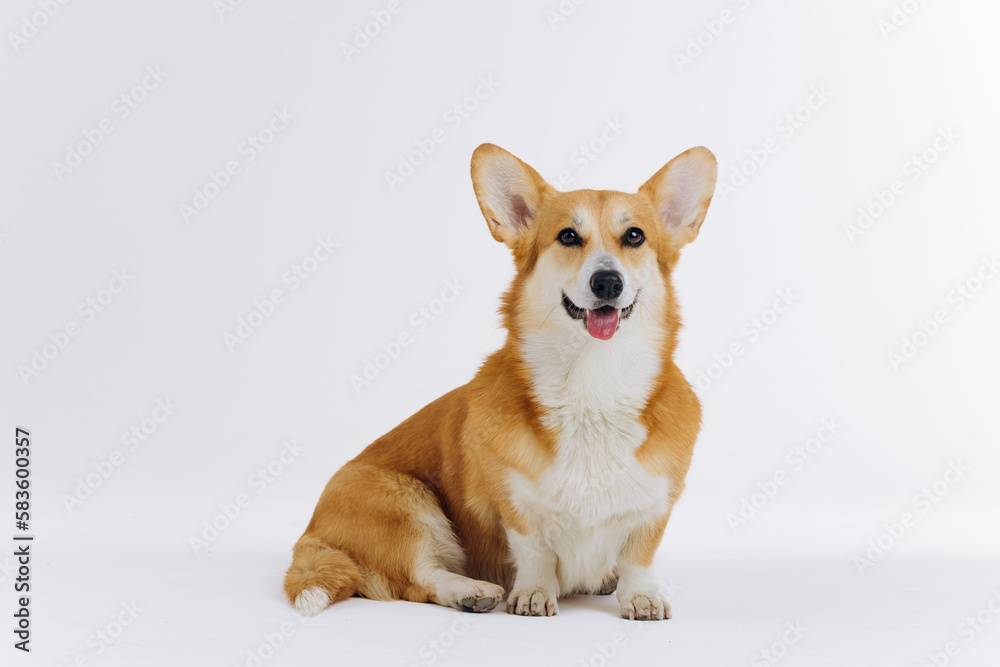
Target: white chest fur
{"type": "Point", "coordinates": [588, 501]}
{"type": "Point", "coordinates": [594, 493]}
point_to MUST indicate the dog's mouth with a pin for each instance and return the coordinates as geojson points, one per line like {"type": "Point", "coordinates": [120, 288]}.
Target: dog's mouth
{"type": "Point", "coordinates": [601, 323]}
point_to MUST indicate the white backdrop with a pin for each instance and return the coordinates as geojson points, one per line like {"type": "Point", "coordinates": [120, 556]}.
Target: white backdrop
{"type": "Point", "coordinates": [171, 170]}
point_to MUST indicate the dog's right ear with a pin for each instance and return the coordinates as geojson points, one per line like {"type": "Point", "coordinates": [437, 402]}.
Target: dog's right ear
{"type": "Point", "coordinates": [508, 190]}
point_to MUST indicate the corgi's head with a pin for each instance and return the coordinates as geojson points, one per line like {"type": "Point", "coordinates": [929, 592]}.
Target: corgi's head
{"type": "Point", "coordinates": [591, 262]}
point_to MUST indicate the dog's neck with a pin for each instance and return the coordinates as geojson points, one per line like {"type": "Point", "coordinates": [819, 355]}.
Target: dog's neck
{"type": "Point", "coordinates": [583, 379]}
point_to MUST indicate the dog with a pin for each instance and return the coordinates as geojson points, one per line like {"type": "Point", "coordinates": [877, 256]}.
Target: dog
{"type": "Point", "coordinates": [555, 470]}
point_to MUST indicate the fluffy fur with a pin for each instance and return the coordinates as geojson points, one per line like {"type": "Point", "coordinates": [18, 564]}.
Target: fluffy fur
{"type": "Point", "coordinates": [554, 471]}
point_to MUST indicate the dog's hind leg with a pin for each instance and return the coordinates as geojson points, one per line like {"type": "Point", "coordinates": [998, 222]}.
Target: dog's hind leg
{"type": "Point", "coordinates": [392, 526]}
{"type": "Point", "coordinates": [437, 569]}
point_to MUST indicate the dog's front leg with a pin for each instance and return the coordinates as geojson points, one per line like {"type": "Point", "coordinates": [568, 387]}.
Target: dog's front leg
{"type": "Point", "coordinates": [536, 586]}
{"type": "Point", "coordinates": [640, 595]}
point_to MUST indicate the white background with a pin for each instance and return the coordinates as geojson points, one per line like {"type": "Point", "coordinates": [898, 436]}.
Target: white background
{"type": "Point", "coordinates": [560, 82]}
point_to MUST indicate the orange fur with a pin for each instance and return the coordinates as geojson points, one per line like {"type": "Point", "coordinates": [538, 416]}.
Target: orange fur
{"type": "Point", "coordinates": [315, 563]}
{"type": "Point", "coordinates": [432, 495]}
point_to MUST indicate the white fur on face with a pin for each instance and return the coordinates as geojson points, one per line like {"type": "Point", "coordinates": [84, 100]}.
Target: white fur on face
{"type": "Point", "coordinates": [584, 506]}
{"type": "Point", "coordinates": [598, 259]}
{"type": "Point", "coordinates": [540, 312]}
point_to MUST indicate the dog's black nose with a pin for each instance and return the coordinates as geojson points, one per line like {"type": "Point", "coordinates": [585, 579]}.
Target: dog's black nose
{"type": "Point", "coordinates": [606, 284]}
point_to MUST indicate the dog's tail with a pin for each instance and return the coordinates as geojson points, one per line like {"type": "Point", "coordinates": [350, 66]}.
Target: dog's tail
{"type": "Point", "coordinates": [319, 576]}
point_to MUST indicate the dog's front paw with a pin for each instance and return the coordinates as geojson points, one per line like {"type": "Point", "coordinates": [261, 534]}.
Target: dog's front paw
{"type": "Point", "coordinates": [532, 602]}
{"type": "Point", "coordinates": [644, 607]}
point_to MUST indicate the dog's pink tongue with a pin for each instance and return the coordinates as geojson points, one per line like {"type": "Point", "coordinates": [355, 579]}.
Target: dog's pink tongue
{"type": "Point", "coordinates": [602, 323]}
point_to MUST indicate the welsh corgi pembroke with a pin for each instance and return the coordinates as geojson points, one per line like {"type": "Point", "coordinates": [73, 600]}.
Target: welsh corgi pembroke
{"type": "Point", "coordinates": [554, 471]}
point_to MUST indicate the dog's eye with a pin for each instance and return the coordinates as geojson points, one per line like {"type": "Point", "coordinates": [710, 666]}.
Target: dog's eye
{"type": "Point", "coordinates": [633, 237]}
{"type": "Point", "coordinates": [569, 237]}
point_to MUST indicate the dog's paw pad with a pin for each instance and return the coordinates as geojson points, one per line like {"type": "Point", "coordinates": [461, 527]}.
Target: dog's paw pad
{"type": "Point", "coordinates": [487, 603]}
{"type": "Point", "coordinates": [480, 597]}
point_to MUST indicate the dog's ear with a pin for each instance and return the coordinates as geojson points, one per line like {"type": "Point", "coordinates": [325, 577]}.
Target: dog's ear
{"type": "Point", "coordinates": [509, 192]}
{"type": "Point", "coordinates": [681, 192]}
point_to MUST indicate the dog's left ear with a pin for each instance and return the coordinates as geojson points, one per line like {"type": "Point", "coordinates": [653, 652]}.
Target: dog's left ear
{"type": "Point", "coordinates": [681, 192]}
{"type": "Point", "coordinates": [509, 192]}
